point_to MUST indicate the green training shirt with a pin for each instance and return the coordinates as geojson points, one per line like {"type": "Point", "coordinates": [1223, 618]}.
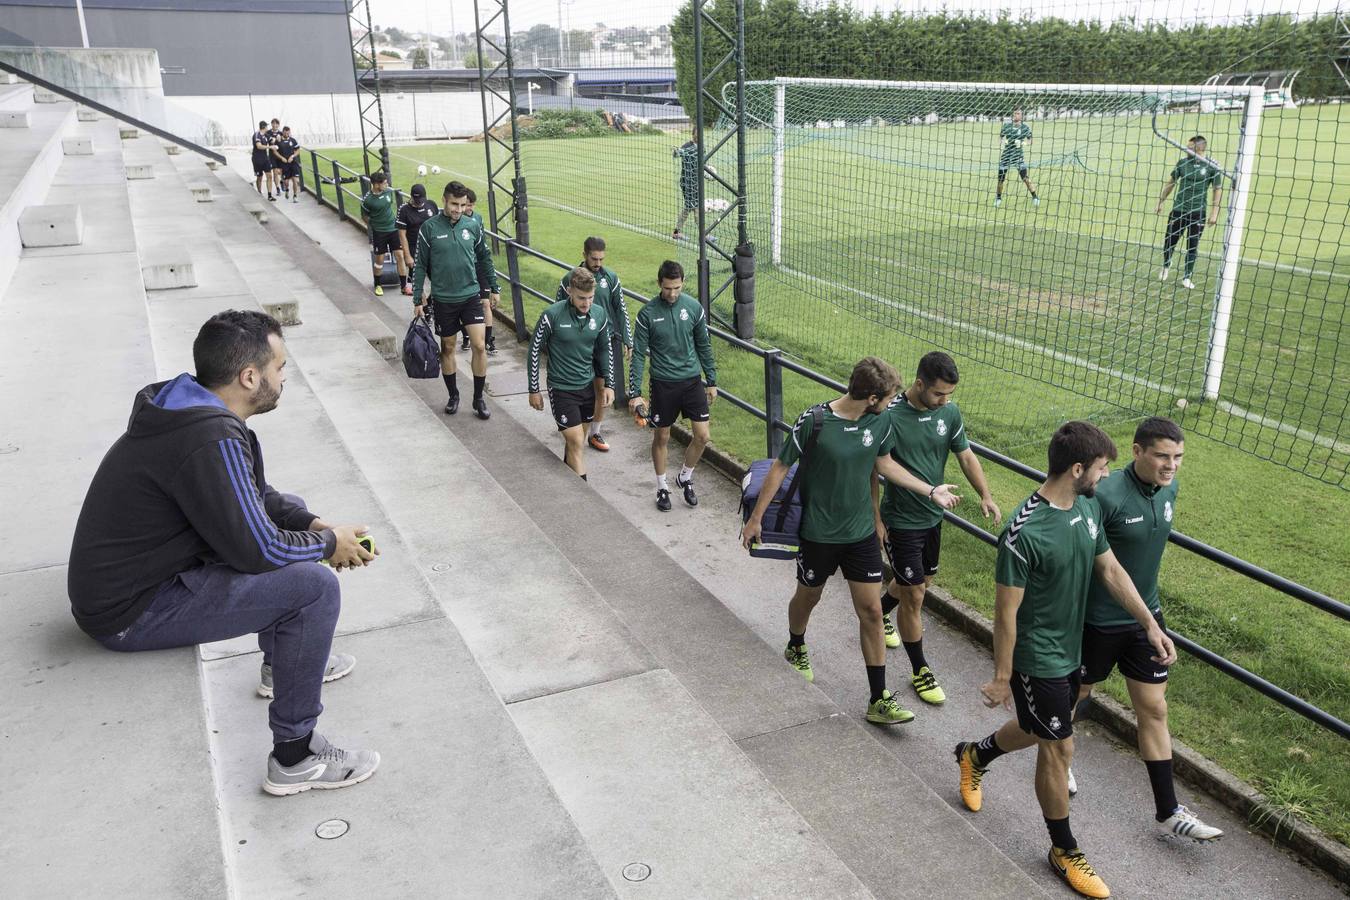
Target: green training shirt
{"type": "Point", "coordinates": [381, 209]}
{"type": "Point", "coordinates": [455, 256]}
{"type": "Point", "coordinates": [578, 347]}
{"type": "Point", "coordinates": [1013, 136]}
{"type": "Point", "coordinates": [1194, 178]}
{"type": "Point", "coordinates": [676, 337]}
{"type": "Point", "coordinates": [608, 294]}
{"type": "Point", "coordinates": [836, 491]}
{"type": "Point", "coordinates": [687, 154]}
{"type": "Point", "coordinates": [923, 438]}
{"type": "Point", "coordinates": [1137, 518]}
{"type": "Point", "coordinates": [1050, 552]}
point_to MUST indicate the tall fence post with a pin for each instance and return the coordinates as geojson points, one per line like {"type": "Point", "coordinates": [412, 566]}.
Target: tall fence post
{"type": "Point", "coordinates": [773, 401]}
{"type": "Point", "coordinates": [318, 181]}
{"type": "Point", "coordinates": [517, 298]}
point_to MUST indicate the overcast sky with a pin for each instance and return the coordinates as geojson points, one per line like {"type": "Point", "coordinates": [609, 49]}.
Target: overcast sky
{"type": "Point", "coordinates": [436, 15]}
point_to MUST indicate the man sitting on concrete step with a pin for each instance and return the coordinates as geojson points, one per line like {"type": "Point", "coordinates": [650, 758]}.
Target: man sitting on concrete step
{"type": "Point", "coordinates": [182, 541]}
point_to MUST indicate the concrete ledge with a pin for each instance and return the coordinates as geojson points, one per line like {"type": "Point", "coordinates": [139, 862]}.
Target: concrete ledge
{"type": "Point", "coordinates": [287, 312]}
{"type": "Point", "coordinates": [60, 225]}
{"type": "Point", "coordinates": [376, 332]}
{"type": "Point", "coordinates": [85, 114]}
{"type": "Point", "coordinates": [200, 192]}
{"type": "Point", "coordinates": [14, 119]}
{"type": "Point", "coordinates": [77, 146]}
{"type": "Point", "coordinates": [140, 172]}
{"type": "Point", "coordinates": [42, 95]}
{"type": "Point", "coordinates": [166, 270]}
{"type": "Point", "coordinates": [257, 211]}
{"type": "Point", "coordinates": [127, 133]}
{"type": "Point", "coordinates": [172, 149]}
{"type": "Point", "coordinates": [212, 164]}
{"type": "Point", "coordinates": [8, 78]}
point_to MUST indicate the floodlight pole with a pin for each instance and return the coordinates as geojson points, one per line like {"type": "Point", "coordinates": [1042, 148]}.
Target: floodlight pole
{"type": "Point", "coordinates": [706, 98]}
{"type": "Point", "coordinates": [366, 72]}
{"type": "Point", "coordinates": [512, 221]}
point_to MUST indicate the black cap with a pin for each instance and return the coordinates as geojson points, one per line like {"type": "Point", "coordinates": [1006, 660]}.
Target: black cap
{"type": "Point", "coordinates": [418, 192]}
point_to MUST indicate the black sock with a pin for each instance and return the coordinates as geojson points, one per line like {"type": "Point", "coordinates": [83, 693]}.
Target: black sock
{"type": "Point", "coordinates": [1033, 194]}
{"type": "Point", "coordinates": [403, 281]}
{"type": "Point", "coordinates": [290, 753]}
{"type": "Point", "coordinates": [1164, 791]}
{"type": "Point", "coordinates": [988, 750]}
{"type": "Point", "coordinates": [876, 680]}
{"type": "Point", "coordinates": [450, 384]}
{"type": "Point", "coordinates": [478, 382]}
{"type": "Point", "coordinates": [583, 477]}
{"type": "Point", "coordinates": [915, 651]}
{"type": "Point", "coordinates": [375, 280]}
{"type": "Point", "coordinates": [488, 337]}
{"type": "Point", "coordinates": [1061, 835]}
{"type": "Point", "coordinates": [796, 640]}
{"type": "Point", "coordinates": [888, 603]}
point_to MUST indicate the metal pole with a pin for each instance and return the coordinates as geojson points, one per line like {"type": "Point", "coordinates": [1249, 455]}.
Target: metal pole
{"type": "Point", "coordinates": [779, 152]}
{"type": "Point", "coordinates": [742, 224]}
{"type": "Point", "coordinates": [773, 402]}
{"type": "Point", "coordinates": [704, 288]}
{"type": "Point", "coordinates": [84, 32]}
{"type": "Point", "coordinates": [1232, 249]}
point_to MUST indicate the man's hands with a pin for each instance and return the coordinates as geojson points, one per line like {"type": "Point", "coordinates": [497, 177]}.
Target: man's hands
{"type": "Point", "coordinates": [882, 531]}
{"type": "Point", "coordinates": [607, 397]}
{"type": "Point", "coordinates": [751, 532]}
{"type": "Point", "coordinates": [1214, 217]}
{"type": "Point", "coordinates": [420, 310]}
{"type": "Point", "coordinates": [627, 353]}
{"type": "Point", "coordinates": [1158, 209]}
{"type": "Point", "coordinates": [634, 403]}
{"type": "Point", "coordinates": [990, 509]}
{"type": "Point", "coordinates": [711, 391]}
{"type": "Point", "coordinates": [494, 300]}
{"type": "Point", "coordinates": [997, 693]}
{"type": "Point", "coordinates": [1165, 652]}
{"type": "Point", "coordinates": [944, 495]}
{"type": "Point", "coordinates": [347, 553]}
{"type": "Point", "coordinates": [537, 400]}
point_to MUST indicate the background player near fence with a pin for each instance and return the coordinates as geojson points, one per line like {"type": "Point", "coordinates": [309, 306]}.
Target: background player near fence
{"type": "Point", "coordinates": [1191, 178]}
{"type": "Point", "coordinates": [928, 427]}
{"type": "Point", "coordinates": [288, 157]}
{"type": "Point", "coordinates": [411, 216]}
{"type": "Point", "coordinates": [673, 329]}
{"type": "Point", "coordinates": [274, 175]}
{"type": "Point", "coordinates": [687, 154]}
{"type": "Point", "coordinates": [609, 296]}
{"type": "Point", "coordinates": [454, 255]}
{"type": "Point", "coordinates": [1014, 135]}
{"type": "Point", "coordinates": [379, 212]}
{"type": "Point", "coordinates": [574, 332]}
{"type": "Point", "coordinates": [262, 159]}
{"type": "Point", "coordinates": [1138, 505]}
{"type": "Point", "coordinates": [1047, 556]}
{"type": "Point", "coordinates": [851, 448]}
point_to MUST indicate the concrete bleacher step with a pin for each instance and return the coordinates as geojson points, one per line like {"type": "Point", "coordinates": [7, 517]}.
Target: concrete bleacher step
{"type": "Point", "coordinates": [128, 133]}
{"type": "Point", "coordinates": [77, 145]}
{"type": "Point", "coordinates": [89, 734]}
{"type": "Point", "coordinates": [376, 332]}
{"type": "Point", "coordinates": [85, 114]}
{"type": "Point", "coordinates": [56, 225]}
{"type": "Point", "coordinates": [29, 159]}
{"type": "Point", "coordinates": [15, 119]}
{"type": "Point", "coordinates": [42, 95]}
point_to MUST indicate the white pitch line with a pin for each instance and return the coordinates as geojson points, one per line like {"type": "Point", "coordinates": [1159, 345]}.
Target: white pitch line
{"type": "Point", "coordinates": [1286, 428]}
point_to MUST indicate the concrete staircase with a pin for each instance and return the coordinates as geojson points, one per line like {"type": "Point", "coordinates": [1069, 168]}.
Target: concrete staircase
{"type": "Point", "coordinates": [562, 709]}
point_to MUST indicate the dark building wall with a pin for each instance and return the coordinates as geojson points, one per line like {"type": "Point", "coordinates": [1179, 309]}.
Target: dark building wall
{"type": "Point", "coordinates": [226, 47]}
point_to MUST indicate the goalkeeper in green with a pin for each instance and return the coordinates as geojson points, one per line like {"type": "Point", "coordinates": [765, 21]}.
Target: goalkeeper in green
{"type": "Point", "coordinates": [1191, 178]}
{"type": "Point", "coordinates": [687, 154]}
{"type": "Point", "coordinates": [1014, 135]}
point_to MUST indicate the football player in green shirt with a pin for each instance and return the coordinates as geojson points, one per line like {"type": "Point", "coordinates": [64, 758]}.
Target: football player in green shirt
{"type": "Point", "coordinates": [1190, 178]}
{"type": "Point", "coordinates": [379, 210]}
{"type": "Point", "coordinates": [928, 428]}
{"type": "Point", "coordinates": [575, 334]}
{"type": "Point", "coordinates": [1014, 135]}
{"type": "Point", "coordinates": [687, 154]}
{"type": "Point", "coordinates": [837, 529]}
{"type": "Point", "coordinates": [1047, 557]}
{"type": "Point", "coordinates": [1138, 504]}
{"type": "Point", "coordinates": [673, 331]}
{"type": "Point", "coordinates": [609, 295]}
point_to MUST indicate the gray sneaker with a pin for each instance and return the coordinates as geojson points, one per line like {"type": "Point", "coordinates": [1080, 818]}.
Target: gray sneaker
{"type": "Point", "coordinates": [339, 664]}
{"type": "Point", "coordinates": [326, 768]}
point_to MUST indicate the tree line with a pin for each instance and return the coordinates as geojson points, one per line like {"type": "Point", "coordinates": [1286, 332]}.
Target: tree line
{"type": "Point", "coordinates": [795, 39]}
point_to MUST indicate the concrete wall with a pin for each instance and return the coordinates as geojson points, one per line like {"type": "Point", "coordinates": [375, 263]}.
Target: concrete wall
{"type": "Point", "coordinates": [262, 49]}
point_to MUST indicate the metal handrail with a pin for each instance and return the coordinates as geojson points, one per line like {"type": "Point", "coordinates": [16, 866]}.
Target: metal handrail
{"type": "Point", "coordinates": [1284, 585]}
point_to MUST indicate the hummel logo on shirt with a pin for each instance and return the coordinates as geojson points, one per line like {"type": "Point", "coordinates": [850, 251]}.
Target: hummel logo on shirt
{"type": "Point", "coordinates": [1135, 520]}
{"type": "Point", "coordinates": [662, 319]}
{"type": "Point", "coordinates": [1075, 520]}
{"type": "Point", "coordinates": [850, 427]}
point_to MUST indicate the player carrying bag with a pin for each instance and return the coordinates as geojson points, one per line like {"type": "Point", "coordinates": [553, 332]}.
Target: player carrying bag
{"type": "Point", "coordinates": [421, 350]}
{"type": "Point", "coordinates": [782, 539]}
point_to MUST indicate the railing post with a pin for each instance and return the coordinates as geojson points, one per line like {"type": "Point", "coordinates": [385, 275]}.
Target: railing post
{"type": "Point", "coordinates": [337, 186]}
{"type": "Point", "coordinates": [773, 401]}
{"type": "Point", "coordinates": [318, 182]}
{"type": "Point", "coordinates": [517, 298]}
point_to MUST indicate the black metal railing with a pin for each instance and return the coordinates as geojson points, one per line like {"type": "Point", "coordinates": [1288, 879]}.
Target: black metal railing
{"type": "Point", "coordinates": [775, 427]}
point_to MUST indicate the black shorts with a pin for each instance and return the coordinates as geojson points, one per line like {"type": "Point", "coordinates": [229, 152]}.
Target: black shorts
{"type": "Point", "coordinates": [261, 165]}
{"type": "Point", "coordinates": [1004, 167]}
{"type": "Point", "coordinates": [1191, 224]}
{"type": "Point", "coordinates": [1125, 646]}
{"type": "Point", "coordinates": [572, 408]}
{"type": "Point", "coordinates": [690, 195]}
{"type": "Point", "coordinates": [1045, 705]}
{"type": "Point", "coordinates": [452, 317]}
{"type": "Point", "coordinates": [861, 561]}
{"type": "Point", "coordinates": [670, 399]}
{"type": "Point", "coordinates": [914, 553]}
{"type": "Point", "coordinates": [290, 169]}
{"type": "Point", "coordinates": [384, 242]}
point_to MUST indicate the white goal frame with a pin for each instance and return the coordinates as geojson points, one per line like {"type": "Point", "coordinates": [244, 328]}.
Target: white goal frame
{"type": "Point", "coordinates": [1250, 98]}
